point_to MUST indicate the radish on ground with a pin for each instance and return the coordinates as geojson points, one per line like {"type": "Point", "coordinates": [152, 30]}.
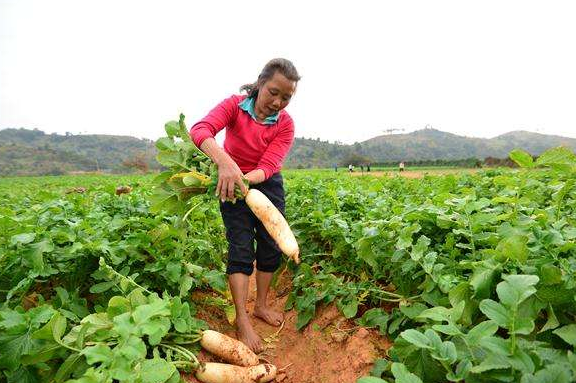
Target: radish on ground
{"type": "Point", "coordinates": [228, 349]}
{"type": "Point", "coordinates": [227, 373]}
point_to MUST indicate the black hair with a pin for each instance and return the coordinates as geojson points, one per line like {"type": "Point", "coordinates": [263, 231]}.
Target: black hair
{"type": "Point", "coordinates": [283, 66]}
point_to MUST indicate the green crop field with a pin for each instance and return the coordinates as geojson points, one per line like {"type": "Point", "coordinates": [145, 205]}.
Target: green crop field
{"type": "Point", "coordinates": [472, 276]}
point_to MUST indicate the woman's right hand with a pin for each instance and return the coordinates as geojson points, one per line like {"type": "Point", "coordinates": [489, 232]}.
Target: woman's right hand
{"type": "Point", "coordinates": [229, 175]}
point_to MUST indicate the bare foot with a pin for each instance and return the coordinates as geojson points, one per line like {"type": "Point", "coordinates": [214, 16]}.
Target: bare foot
{"type": "Point", "coordinates": [270, 316]}
{"type": "Point", "coordinates": [247, 335]}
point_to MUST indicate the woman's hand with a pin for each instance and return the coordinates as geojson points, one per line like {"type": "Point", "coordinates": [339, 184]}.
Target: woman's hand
{"type": "Point", "coordinates": [229, 175]}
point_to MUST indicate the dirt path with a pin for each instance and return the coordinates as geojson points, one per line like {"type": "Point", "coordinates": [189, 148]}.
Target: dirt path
{"type": "Point", "coordinates": [330, 349]}
{"type": "Point", "coordinates": [416, 173]}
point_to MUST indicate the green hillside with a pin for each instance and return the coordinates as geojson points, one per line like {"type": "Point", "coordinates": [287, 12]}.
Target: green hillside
{"type": "Point", "coordinates": [33, 152]}
{"type": "Point", "coordinates": [430, 144]}
{"type": "Point", "coordinates": [421, 145]}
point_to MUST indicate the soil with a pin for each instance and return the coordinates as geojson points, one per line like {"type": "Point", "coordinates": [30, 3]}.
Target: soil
{"type": "Point", "coordinates": [417, 173]}
{"type": "Point", "coordinates": [331, 349]}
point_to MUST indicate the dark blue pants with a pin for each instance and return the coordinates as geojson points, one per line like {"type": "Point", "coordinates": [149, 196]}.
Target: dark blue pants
{"type": "Point", "coordinates": [242, 228]}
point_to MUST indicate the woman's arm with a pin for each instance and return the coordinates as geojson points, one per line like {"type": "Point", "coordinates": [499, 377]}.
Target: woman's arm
{"type": "Point", "coordinates": [203, 133]}
{"type": "Point", "coordinates": [217, 119]}
{"type": "Point", "coordinates": [256, 176]}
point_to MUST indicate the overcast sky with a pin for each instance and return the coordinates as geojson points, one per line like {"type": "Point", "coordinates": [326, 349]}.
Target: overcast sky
{"type": "Point", "coordinates": [479, 68]}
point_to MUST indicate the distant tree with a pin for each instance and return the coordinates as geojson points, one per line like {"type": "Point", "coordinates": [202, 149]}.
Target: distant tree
{"type": "Point", "coordinates": [55, 171]}
{"type": "Point", "coordinates": [494, 162]}
{"type": "Point", "coordinates": [136, 162]}
{"type": "Point", "coordinates": [355, 159]}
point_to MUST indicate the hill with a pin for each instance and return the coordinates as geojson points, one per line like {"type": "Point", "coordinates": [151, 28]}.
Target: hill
{"type": "Point", "coordinates": [421, 145]}
{"type": "Point", "coordinates": [33, 152]}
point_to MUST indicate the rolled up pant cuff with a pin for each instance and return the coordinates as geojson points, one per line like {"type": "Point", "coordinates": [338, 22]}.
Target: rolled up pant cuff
{"type": "Point", "coordinates": [236, 267]}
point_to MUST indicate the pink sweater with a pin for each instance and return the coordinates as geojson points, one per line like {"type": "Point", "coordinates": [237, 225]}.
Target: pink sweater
{"type": "Point", "coordinates": [250, 144]}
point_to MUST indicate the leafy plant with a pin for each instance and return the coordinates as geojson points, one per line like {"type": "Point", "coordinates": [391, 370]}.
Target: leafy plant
{"type": "Point", "coordinates": [190, 171]}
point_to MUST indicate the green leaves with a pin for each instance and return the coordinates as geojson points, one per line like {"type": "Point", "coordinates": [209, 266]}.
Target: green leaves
{"type": "Point", "coordinates": [33, 257]}
{"type": "Point", "coordinates": [349, 306]}
{"type": "Point", "coordinates": [72, 324]}
{"type": "Point", "coordinates": [483, 278]}
{"type": "Point", "coordinates": [482, 330]}
{"type": "Point", "coordinates": [430, 340]}
{"type": "Point", "coordinates": [567, 333]}
{"type": "Point", "coordinates": [375, 317]}
{"type": "Point", "coordinates": [514, 290]}
{"type": "Point", "coordinates": [13, 347]}
{"type": "Point", "coordinates": [514, 247]}
{"type": "Point", "coordinates": [480, 351]}
{"type": "Point", "coordinates": [522, 158]}
{"type": "Point", "coordinates": [22, 239]}
{"type": "Point", "coordinates": [495, 311]}
{"type": "Point", "coordinates": [114, 342]}
{"type": "Point", "coordinates": [16, 339]}
{"type": "Point", "coordinates": [172, 129]}
{"type": "Point", "coordinates": [370, 379]}
{"type": "Point", "coordinates": [402, 374]}
{"type": "Point", "coordinates": [560, 158]}
{"type": "Point", "coordinates": [99, 353]}
{"type": "Point", "coordinates": [190, 172]}
{"type": "Point", "coordinates": [135, 323]}
{"type": "Point", "coordinates": [156, 370]}
{"type": "Point", "coordinates": [554, 373]}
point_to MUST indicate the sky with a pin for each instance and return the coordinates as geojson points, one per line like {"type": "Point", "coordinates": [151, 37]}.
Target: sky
{"type": "Point", "coordinates": [473, 68]}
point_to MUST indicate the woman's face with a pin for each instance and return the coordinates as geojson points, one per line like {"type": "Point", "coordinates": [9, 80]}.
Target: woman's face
{"type": "Point", "coordinates": [274, 95]}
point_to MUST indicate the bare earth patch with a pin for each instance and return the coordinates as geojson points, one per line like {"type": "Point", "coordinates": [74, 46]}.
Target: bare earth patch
{"type": "Point", "coordinates": [331, 349]}
{"type": "Point", "coordinates": [416, 173]}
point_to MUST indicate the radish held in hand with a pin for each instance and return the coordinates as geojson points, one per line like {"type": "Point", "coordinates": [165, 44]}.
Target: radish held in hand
{"type": "Point", "coordinates": [229, 349]}
{"type": "Point", "coordinates": [274, 222]}
{"type": "Point", "coordinates": [227, 373]}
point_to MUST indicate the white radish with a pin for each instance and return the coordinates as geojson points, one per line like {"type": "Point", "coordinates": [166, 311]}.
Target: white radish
{"type": "Point", "coordinates": [228, 349]}
{"type": "Point", "coordinates": [274, 222]}
{"type": "Point", "coordinates": [227, 373]}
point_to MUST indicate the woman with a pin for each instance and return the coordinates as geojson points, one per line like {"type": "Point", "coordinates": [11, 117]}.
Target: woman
{"type": "Point", "coordinates": [259, 134]}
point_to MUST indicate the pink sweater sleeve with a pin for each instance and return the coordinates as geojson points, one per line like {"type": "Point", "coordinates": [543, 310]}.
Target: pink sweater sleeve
{"type": "Point", "coordinates": [271, 160]}
{"type": "Point", "coordinates": [215, 121]}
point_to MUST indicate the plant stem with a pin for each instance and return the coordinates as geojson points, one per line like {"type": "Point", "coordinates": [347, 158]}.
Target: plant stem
{"type": "Point", "coordinates": [66, 346]}
{"type": "Point", "coordinates": [182, 351]}
{"type": "Point", "coordinates": [190, 211]}
{"type": "Point", "coordinates": [130, 280]}
{"type": "Point", "coordinates": [184, 363]}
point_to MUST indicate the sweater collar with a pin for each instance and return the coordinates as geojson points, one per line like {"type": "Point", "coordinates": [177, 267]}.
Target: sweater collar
{"type": "Point", "coordinates": [247, 105]}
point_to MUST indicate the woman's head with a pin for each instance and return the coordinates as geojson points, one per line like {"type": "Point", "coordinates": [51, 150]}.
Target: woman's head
{"type": "Point", "coordinates": [274, 88]}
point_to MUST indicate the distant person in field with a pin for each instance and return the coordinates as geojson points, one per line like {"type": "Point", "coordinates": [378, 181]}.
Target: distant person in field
{"type": "Point", "coordinates": [401, 166]}
{"type": "Point", "coordinates": [259, 134]}
{"type": "Point", "coordinates": [368, 168]}
{"type": "Point", "coordinates": [350, 168]}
